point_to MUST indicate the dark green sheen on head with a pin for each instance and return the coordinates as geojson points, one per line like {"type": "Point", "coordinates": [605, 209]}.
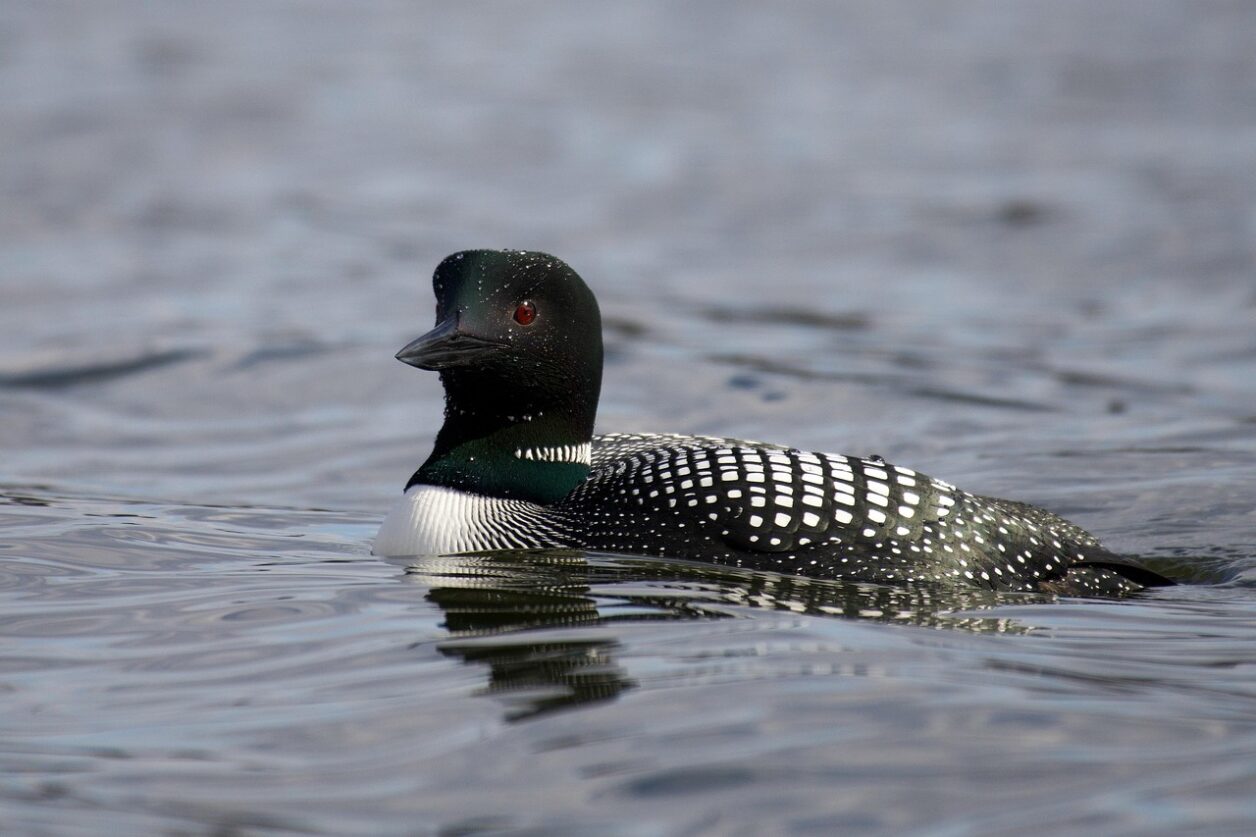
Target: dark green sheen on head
{"type": "Point", "coordinates": [518, 344]}
{"type": "Point", "coordinates": [484, 288]}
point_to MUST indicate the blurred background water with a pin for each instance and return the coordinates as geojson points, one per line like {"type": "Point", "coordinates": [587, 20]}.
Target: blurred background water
{"type": "Point", "coordinates": [1010, 244]}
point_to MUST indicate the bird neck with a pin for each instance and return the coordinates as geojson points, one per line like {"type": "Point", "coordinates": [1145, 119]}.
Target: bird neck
{"type": "Point", "coordinates": [502, 442]}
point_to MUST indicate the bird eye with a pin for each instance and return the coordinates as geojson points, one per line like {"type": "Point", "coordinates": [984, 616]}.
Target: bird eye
{"type": "Point", "coordinates": [525, 313]}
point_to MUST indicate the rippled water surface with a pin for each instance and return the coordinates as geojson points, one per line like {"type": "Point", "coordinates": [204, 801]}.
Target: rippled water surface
{"type": "Point", "coordinates": [1010, 245]}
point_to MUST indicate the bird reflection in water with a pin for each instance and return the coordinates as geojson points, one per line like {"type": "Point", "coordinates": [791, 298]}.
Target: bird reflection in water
{"type": "Point", "coordinates": [538, 619]}
{"type": "Point", "coordinates": [522, 618]}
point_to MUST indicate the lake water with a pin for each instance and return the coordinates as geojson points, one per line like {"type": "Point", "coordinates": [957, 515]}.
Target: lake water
{"type": "Point", "coordinates": [1011, 245]}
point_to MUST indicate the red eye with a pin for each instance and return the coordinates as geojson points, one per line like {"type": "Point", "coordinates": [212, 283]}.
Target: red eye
{"type": "Point", "coordinates": [525, 313]}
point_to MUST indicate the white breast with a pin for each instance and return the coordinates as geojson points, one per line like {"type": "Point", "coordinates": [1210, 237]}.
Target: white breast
{"type": "Point", "coordinates": [433, 520]}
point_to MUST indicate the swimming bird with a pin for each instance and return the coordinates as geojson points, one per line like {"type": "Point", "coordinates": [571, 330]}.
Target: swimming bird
{"type": "Point", "coordinates": [516, 465]}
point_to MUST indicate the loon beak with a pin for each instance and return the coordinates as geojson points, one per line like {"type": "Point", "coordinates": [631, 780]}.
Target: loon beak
{"type": "Point", "coordinates": [445, 347]}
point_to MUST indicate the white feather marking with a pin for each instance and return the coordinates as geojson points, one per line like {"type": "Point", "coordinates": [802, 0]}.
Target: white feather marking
{"type": "Point", "coordinates": [434, 520]}
{"type": "Point", "coordinates": [581, 454]}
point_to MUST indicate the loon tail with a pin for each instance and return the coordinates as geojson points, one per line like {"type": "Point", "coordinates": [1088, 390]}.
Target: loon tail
{"type": "Point", "coordinates": [1127, 569]}
{"type": "Point", "coordinates": [1107, 576]}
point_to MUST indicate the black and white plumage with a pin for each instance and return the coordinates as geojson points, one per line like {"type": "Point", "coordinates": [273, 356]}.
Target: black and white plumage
{"type": "Point", "coordinates": [518, 346]}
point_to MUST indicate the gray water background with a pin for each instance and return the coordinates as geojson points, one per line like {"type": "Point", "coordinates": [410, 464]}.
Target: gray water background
{"type": "Point", "coordinates": [1010, 244]}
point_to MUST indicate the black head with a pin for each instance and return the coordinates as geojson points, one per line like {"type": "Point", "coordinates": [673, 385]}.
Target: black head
{"type": "Point", "coordinates": [500, 310]}
{"type": "Point", "coordinates": [518, 344]}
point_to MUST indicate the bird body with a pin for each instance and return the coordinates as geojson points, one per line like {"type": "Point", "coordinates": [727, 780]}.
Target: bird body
{"type": "Point", "coordinates": [516, 465]}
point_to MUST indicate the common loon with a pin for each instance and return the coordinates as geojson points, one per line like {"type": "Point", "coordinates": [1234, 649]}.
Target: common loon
{"type": "Point", "coordinates": [518, 345]}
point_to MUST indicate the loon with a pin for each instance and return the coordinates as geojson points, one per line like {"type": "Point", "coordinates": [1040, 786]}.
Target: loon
{"type": "Point", "coordinates": [516, 465]}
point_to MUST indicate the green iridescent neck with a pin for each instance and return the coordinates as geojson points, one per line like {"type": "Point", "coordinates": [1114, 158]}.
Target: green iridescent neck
{"type": "Point", "coordinates": [536, 458]}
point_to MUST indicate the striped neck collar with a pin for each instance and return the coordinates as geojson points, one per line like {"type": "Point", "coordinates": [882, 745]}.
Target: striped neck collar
{"type": "Point", "coordinates": [538, 460]}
